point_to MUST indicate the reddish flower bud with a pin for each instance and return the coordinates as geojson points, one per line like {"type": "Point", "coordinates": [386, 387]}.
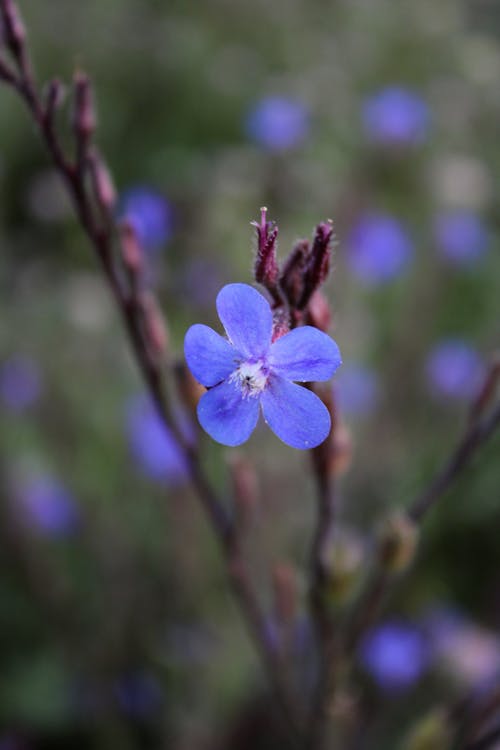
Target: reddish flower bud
{"type": "Point", "coordinates": [319, 314]}
{"type": "Point", "coordinates": [292, 275]}
{"type": "Point", "coordinates": [318, 262]}
{"type": "Point", "coordinates": [104, 188]}
{"type": "Point", "coordinates": [84, 117]}
{"type": "Point", "coordinates": [266, 265]}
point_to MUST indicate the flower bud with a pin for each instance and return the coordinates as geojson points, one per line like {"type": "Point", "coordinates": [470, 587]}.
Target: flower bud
{"type": "Point", "coordinates": [266, 264]}
{"type": "Point", "coordinates": [346, 560]}
{"type": "Point", "coordinates": [319, 314]}
{"type": "Point", "coordinates": [430, 733]}
{"type": "Point", "coordinates": [292, 275]}
{"type": "Point", "coordinates": [398, 539]}
{"type": "Point", "coordinates": [84, 117]}
{"type": "Point", "coordinates": [103, 184]}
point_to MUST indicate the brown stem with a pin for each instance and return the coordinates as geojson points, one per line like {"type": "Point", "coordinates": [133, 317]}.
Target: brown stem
{"type": "Point", "coordinates": [102, 236]}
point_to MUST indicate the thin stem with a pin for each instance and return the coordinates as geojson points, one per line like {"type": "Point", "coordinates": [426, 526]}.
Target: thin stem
{"type": "Point", "coordinates": [381, 583]}
{"type": "Point", "coordinates": [102, 236]}
{"type": "Point", "coordinates": [320, 612]}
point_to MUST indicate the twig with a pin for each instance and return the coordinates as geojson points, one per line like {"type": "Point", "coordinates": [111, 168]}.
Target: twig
{"type": "Point", "coordinates": [381, 582]}
{"type": "Point", "coordinates": [320, 574]}
{"type": "Point", "coordinates": [97, 221]}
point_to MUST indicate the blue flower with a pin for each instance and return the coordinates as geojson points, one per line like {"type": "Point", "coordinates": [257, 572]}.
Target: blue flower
{"type": "Point", "coordinates": [250, 371]}
{"type": "Point", "coordinates": [395, 654]}
{"type": "Point", "coordinates": [152, 445]}
{"type": "Point", "coordinates": [454, 369]}
{"type": "Point", "coordinates": [379, 248]}
{"type": "Point", "coordinates": [47, 505]}
{"type": "Point", "coordinates": [278, 123]}
{"type": "Point", "coordinates": [20, 383]}
{"type": "Point", "coordinates": [149, 213]}
{"type": "Point", "coordinates": [396, 116]}
{"type": "Point", "coordinates": [461, 237]}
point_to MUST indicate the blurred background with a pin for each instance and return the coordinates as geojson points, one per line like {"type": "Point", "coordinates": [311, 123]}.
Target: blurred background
{"type": "Point", "coordinates": [116, 626]}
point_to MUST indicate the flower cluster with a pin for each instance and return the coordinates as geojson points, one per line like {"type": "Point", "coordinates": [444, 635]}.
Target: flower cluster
{"type": "Point", "coordinates": [248, 370]}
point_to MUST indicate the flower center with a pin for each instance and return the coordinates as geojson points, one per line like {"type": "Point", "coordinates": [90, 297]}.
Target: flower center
{"type": "Point", "coordinates": [252, 377]}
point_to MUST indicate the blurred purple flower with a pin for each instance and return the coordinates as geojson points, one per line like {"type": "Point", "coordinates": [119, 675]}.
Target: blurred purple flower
{"type": "Point", "coordinates": [454, 369]}
{"type": "Point", "coordinates": [278, 123]}
{"type": "Point", "coordinates": [47, 505]}
{"type": "Point", "coordinates": [139, 695]}
{"type": "Point", "coordinates": [379, 248]}
{"type": "Point", "coordinates": [396, 116]}
{"type": "Point", "coordinates": [461, 236]}
{"type": "Point", "coordinates": [13, 742]}
{"type": "Point", "coordinates": [20, 383]}
{"type": "Point", "coordinates": [356, 389]}
{"type": "Point", "coordinates": [247, 371]}
{"type": "Point", "coordinates": [395, 654]}
{"type": "Point", "coordinates": [150, 214]}
{"type": "Point", "coordinates": [469, 653]}
{"type": "Point", "coordinates": [152, 445]}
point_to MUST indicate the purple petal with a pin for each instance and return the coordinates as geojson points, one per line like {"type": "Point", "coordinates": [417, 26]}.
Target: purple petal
{"type": "Point", "coordinates": [209, 356]}
{"type": "Point", "coordinates": [247, 318]}
{"type": "Point", "coordinates": [305, 354]}
{"type": "Point", "coordinates": [295, 414]}
{"type": "Point", "coordinates": [226, 415]}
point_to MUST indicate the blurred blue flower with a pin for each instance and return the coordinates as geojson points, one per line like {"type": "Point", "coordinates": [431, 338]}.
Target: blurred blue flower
{"type": "Point", "coordinates": [356, 389]}
{"type": "Point", "coordinates": [468, 652]}
{"type": "Point", "coordinates": [460, 236]}
{"type": "Point", "coordinates": [247, 372]}
{"type": "Point", "coordinates": [139, 695]}
{"type": "Point", "coordinates": [278, 123]}
{"type": "Point", "coordinates": [396, 116]}
{"type": "Point", "coordinates": [20, 383]}
{"type": "Point", "coordinates": [150, 214]}
{"type": "Point", "coordinates": [379, 248]}
{"type": "Point", "coordinates": [152, 445]}
{"type": "Point", "coordinates": [47, 506]}
{"type": "Point", "coordinates": [395, 654]}
{"type": "Point", "coordinates": [454, 369]}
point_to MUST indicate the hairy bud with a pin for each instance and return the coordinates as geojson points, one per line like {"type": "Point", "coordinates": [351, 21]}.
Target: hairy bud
{"type": "Point", "coordinates": [84, 117]}
{"type": "Point", "coordinates": [319, 313]}
{"type": "Point", "coordinates": [318, 262]}
{"type": "Point", "coordinates": [398, 539]}
{"type": "Point", "coordinates": [266, 265]}
{"type": "Point", "coordinates": [104, 188]}
{"type": "Point", "coordinates": [345, 564]}
{"type": "Point", "coordinates": [292, 275]}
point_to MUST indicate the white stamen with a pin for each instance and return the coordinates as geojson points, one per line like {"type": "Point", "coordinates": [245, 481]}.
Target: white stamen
{"type": "Point", "coordinates": [252, 377]}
